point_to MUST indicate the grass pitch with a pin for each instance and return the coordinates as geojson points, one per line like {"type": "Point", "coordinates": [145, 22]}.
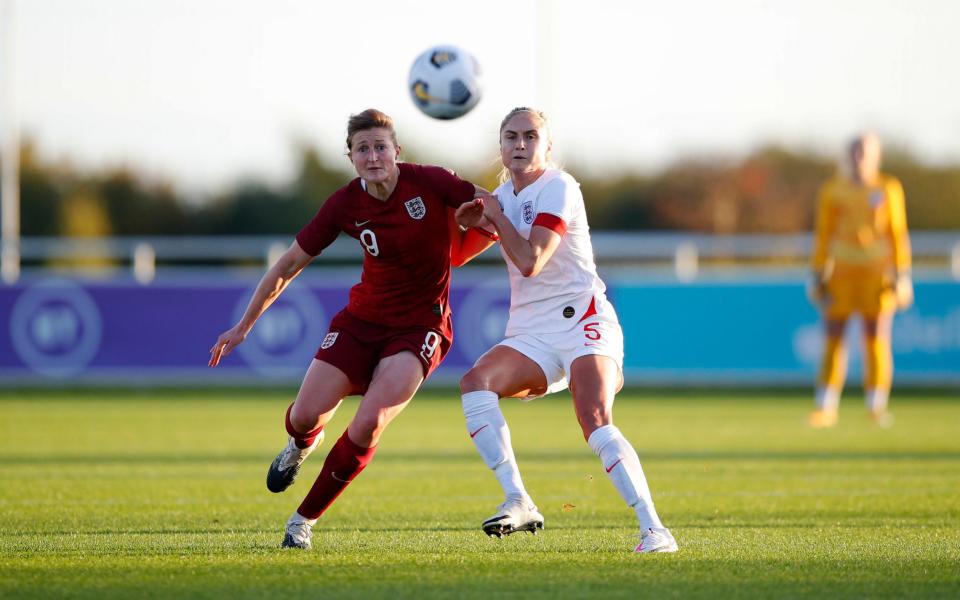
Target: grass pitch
{"type": "Point", "coordinates": [161, 494]}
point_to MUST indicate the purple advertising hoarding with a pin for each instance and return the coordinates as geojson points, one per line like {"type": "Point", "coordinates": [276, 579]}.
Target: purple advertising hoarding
{"type": "Point", "coordinates": [66, 330]}
{"type": "Point", "coordinates": [70, 331]}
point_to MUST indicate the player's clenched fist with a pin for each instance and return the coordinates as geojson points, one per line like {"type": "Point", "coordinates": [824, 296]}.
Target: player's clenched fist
{"type": "Point", "coordinates": [492, 208]}
{"type": "Point", "coordinates": [470, 214]}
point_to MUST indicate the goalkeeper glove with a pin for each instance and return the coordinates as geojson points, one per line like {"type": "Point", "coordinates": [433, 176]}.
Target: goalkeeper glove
{"type": "Point", "coordinates": [816, 289]}
{"type": "Point", "coordinates": [904, 291]}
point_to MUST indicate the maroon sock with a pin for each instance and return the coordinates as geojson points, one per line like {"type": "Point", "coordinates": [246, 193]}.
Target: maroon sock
{"type": "Point", "coordinates": [302, 440]}
{"type": "Point", "coordinates": [344, 462]}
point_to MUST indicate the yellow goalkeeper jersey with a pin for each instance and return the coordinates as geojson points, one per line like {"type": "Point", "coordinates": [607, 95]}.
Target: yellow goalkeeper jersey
{"type": "Point", "coordinates": [861, 227]}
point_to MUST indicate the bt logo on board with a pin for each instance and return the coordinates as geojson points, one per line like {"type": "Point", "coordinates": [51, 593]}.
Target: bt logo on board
{"type": "Point", "coordinates": [55, 327]}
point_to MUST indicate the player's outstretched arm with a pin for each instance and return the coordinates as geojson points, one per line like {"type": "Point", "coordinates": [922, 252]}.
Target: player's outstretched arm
{"type": "Point", "coordinates": [470, 214]}
{"type": "Point", "coordinates": [466, 243]}
{"type": "Point", "coordinates": [902, 256]}
{"type": "Point", "coordinates": [274, 281]}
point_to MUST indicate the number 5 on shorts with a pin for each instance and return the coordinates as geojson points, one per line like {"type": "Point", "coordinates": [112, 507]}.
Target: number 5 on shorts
{"type": "Point", "coordinates": [590, 331]}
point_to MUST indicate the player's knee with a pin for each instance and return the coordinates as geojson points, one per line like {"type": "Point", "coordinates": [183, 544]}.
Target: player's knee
{"type": "Point", "coordinates": [474, 380]}
{"type": "Point", "coordinates": [369, 426]}
{"type": "Point", "coordinates": [835, 327]}
{"type": "Point", "coordinates": [875, 328]}
{"type": "Point", "coordinates": [592, 418]}
{"type": "Point", "coordinates": [590, 421]}
{"type": "Point", "coordinates": [303, 419]}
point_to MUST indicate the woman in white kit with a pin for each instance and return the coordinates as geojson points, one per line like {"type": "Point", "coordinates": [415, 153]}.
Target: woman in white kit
{"type": "Point", "coordinates": [561, 329]}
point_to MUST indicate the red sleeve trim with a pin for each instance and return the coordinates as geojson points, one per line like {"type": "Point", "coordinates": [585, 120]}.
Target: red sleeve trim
{"type": "Point", "coordinates": [486, 233]}
{"type": "Point", "coordinates": [551, 222]}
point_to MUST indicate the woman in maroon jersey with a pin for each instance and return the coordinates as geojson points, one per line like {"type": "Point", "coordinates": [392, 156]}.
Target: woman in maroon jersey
{"type": "Point", "coordinates": [395, 329]}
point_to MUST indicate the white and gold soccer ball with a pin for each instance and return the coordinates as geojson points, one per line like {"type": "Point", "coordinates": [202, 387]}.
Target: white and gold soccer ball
{"type": "Point", "coordinates": [444, 82]}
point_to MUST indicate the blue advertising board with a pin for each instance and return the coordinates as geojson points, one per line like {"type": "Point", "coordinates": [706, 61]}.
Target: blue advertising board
{"type": "Point", "coordinates": [747, 332]}
{"type": "Point", "coordinates": [760, 333]}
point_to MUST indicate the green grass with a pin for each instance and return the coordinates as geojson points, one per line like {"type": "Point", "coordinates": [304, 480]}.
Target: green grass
{"type": "Point", "coordinates": [161, 494]}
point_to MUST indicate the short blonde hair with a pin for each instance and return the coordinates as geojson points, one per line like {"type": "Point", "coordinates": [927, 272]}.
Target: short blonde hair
{"type": "Point", "coordinates": [537, 114]}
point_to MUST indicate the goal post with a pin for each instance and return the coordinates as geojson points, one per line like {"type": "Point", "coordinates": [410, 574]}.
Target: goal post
{"type": "Point", "coordinates": [10, 151]}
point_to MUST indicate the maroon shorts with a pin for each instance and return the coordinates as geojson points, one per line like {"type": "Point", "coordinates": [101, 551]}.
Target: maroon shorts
{"type": "Point", "coordinates": [356, 347]}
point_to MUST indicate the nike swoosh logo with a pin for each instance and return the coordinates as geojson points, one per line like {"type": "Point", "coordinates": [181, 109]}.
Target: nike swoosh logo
{"type": "Point", "coordinates": [360, 223]}
{"type": "Point", "coordinates": [610, 468]}
{"type": "Point", "coordinates": [334, 475]}
{"type": "Point", "coordinates": [474, 434]}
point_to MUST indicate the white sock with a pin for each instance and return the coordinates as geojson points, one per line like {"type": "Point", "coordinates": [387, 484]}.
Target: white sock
{"type": "Point", "coordinates": [827, 398]}
{"type": "Point", "coordinates": [622, 464]}
{"type": "Point", "coordinates": [298, 518]}
{"type": "Point", "coordinates": [876, 400]}
{"type": "Point", "coordinates": [491, 436]}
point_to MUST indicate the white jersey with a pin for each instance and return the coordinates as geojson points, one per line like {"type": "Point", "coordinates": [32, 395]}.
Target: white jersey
{"type": "Point", "coordinates": [567, 286]}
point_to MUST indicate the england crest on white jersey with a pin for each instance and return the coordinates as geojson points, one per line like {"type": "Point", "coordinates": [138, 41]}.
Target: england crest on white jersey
{"type": "Point", "coordinates": [526, 211]}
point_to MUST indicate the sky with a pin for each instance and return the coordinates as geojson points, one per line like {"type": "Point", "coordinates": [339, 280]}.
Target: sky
{"type": "Point", "coordinates": [204, 93]}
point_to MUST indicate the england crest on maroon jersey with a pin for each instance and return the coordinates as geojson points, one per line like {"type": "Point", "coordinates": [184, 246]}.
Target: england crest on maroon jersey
{"type": "Point", "coordinates": [416, 208]}
{"type": "Point", "coordinates": [329, 340]}
{"type": "Point", "coordinates": [527, 211]}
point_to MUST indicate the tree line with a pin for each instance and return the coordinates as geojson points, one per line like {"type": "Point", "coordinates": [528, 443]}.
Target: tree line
{"type": "Point", "coordinates": [771, 190]}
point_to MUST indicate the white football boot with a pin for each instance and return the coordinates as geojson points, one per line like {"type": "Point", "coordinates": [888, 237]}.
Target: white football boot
{"type": "Point", "coordinates": [285, 467]}
{"type": "Point", "coordinates": [656, 540]}
{"type": "Point", "coordinates": [297, 534]}
{"type": "Point", "coordinates": [513, 516]}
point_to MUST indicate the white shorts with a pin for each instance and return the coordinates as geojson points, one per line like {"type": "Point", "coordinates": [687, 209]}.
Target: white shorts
{"type": "Point", "coordinates": [555, 352]}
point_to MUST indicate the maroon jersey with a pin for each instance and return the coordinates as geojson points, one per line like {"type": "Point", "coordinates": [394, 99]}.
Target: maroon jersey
{"type": "Point", "coordinates": [406, 245]}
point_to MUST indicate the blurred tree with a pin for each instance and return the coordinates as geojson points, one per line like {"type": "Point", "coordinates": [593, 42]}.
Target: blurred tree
{"type": "Point", "coordinates": [315, 181]}
{"type": "Point", "coordinates": [772, 190]}
{"type": "Point", "coordinates": [254, 208]}
{"type": "Point", "coordinates": [932, 193]}
{"type": "Point", "coordinates": [777, 190]}
{"type": "Point", "coordinates": [137, 208]}
{"type": "Point", "coordinates": [84, 215]}
{"type": "Point", "coordinates": [40, 195]}
{"type": "Point", "coordinates": [612, 203]}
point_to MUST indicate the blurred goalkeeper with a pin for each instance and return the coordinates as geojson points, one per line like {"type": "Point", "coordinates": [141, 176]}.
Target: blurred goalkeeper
{"type": "Point", "coordinates": [861, 264]}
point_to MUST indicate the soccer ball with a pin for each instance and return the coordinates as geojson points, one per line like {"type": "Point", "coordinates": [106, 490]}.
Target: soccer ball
{"type": "Point", "coordinates": [444, 82]}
